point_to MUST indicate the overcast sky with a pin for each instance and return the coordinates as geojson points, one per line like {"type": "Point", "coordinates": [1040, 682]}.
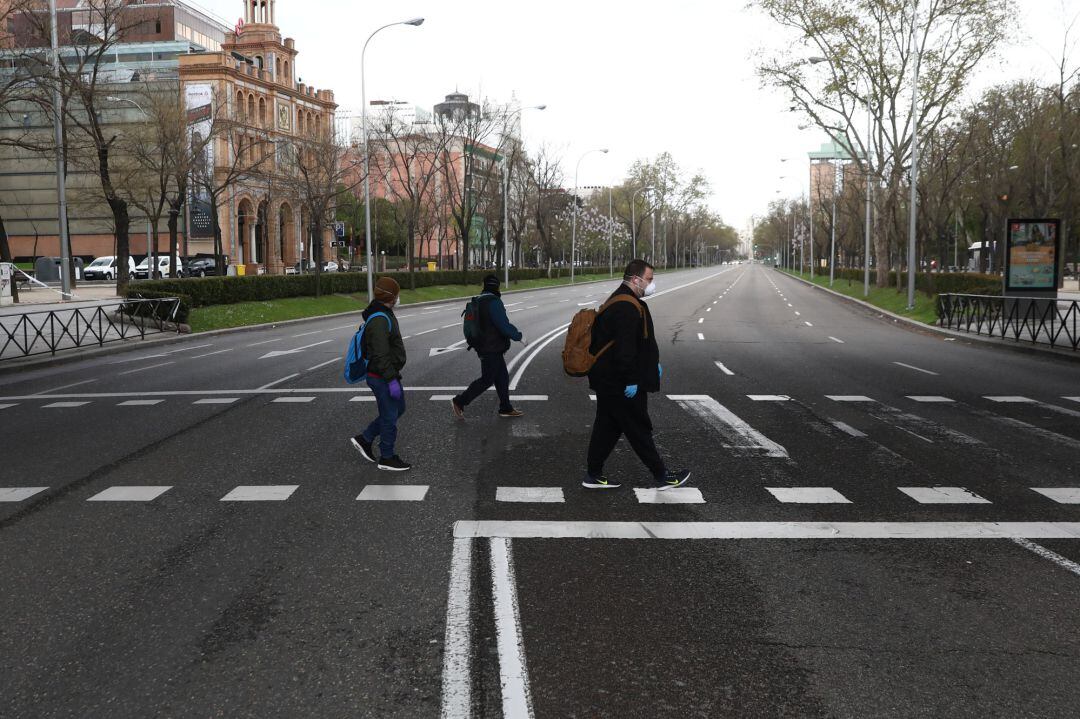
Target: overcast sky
{"type": "Point", "coordinates": [638, 78]}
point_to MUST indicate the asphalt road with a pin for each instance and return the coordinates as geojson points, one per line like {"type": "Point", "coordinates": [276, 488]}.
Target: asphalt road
{"type": "Point", "coordinates": [880, 522]}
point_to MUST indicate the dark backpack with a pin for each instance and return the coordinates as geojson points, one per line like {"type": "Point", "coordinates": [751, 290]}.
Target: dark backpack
{"type": "Point", "coordinates": [355, 362]}
{"type": "Point", "coordinates": [472, 323]}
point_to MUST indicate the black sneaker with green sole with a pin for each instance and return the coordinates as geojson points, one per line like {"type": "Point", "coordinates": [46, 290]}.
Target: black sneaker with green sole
{"type": "Point", "coordinates": [600, 482]}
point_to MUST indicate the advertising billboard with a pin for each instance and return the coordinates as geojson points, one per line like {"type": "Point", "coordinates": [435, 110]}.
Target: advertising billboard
{"type": "Point", "coordinates": [199, 103]}
{"type": "Point", "coordinates": [1031, 255]}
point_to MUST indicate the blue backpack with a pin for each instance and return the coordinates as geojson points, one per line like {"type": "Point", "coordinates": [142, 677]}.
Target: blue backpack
{"type": "Point", "coordinates": [355, 361]}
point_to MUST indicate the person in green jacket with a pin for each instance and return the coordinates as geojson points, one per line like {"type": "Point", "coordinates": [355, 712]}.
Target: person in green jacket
{"type": "Point", "coordinates": [385, 352]}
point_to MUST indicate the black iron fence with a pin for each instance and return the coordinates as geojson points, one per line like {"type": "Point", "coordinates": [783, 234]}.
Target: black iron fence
{"type": "Point", "coordinates": [23, 334]}
{"type": "Point", "coordinates": [1036, 320]}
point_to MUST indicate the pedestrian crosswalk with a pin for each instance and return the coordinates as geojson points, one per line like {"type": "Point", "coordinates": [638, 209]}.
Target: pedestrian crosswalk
{"type": "Point", "coordinates": [707, 493]}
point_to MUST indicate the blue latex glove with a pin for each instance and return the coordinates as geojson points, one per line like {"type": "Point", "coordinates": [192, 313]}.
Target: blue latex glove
{"type": "Point", "coordinates": [660, 369]}
{"type": "Point", "coordinates": [630, 391]}
{"type": "Point", "coordinates": [395, 388]}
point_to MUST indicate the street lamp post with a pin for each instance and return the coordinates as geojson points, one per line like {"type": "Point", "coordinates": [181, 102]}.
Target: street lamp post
{"type": "Point", "coordinates": [506, 202]}
{"type": "Point", "coordinates": [573, 224]}
{"type": "Point", "coordinates": [415, 22]}
{"type": "Point", "coordinates": [610, 235]}
{"type": "Point", "coordinates": [912, 208]}
{"type": "Point", "coordinates": [633, 216]}
{"type": "Point", "coordinates": [61, 161]}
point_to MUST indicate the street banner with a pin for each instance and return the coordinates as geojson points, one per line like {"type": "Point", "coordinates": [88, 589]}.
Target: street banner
{"type": "Point", "coordinates": [199, 103]}
{"type": "Point", "coordinates": [1031, 254]}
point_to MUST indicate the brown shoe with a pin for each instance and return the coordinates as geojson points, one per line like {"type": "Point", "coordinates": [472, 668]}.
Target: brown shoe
{"type": "Point", "coordinates": [512, 413]}
{"type": "Point", "coordinates": [459, 411]}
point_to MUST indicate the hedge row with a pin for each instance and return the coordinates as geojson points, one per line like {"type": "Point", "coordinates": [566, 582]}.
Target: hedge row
{"type": "Point", "coordinates": [203, 291]}
{"type": "Point", "coordinates": [935, 283]}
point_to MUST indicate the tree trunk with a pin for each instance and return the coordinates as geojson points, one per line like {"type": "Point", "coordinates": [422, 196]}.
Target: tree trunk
{"type": "Point", "coordinates": [123, 248]}
{"type": "Point", "coordinates": [412, 253]}
{"type": "Point", "coordinates": [316, 240]}
{"type": "Point", "coordinates": [174, 216]}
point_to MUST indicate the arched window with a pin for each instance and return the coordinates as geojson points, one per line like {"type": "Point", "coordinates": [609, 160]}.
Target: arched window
{"type": "Point", "coordinates": [262, 111]}
{"type": "Point", "coordinates": [259, 61]}
{"type": "Point", "coordinates": [277, 69]}
{"type": "Point", "coordinates": [251, 108]}
{"type": "Point", "coordinates": [287, 78]}
{"type": "Point", "coordinates": [240, 104]}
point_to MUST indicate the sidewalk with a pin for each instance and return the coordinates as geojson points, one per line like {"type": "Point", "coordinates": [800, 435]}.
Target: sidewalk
{"type": "Point", "coordinates": [35, 298]}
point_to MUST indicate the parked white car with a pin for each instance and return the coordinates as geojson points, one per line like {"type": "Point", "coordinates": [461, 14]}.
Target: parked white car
{"type": "Point", "coordinates": [162, 269]}
{"type": "Point", "coordinates": [104, 268]}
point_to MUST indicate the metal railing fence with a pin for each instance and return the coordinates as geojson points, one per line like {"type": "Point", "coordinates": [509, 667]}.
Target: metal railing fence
{"type": "Point", "coordinates": [1038, 320]}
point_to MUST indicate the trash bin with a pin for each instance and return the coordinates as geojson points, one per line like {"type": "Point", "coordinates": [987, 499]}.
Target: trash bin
{"type": "Point", "coordinates": [431, 266]}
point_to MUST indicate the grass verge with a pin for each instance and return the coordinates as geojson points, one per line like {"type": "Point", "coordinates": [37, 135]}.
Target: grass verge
{"type": "Point", "coordinates": [887, 298]}
{"type": "Point", "coordinates": [241, 314]}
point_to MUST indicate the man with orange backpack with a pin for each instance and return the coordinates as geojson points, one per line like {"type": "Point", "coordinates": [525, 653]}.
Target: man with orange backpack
{"type": "Point", "coordinates": [625, 367]}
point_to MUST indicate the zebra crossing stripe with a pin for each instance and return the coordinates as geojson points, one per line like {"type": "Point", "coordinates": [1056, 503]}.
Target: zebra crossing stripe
{"type": "Point", "coordinates": [736, 434]}
{"type": "Point", "coordinates": [530, 494]}
{"type": "Point", "coordinates": [769, 397]}
{"type": "Point", "coordinates": [64, 405]}
{"type": "Point", "coordinates": [18, 494]}
{"type": "Point", "coordinates": [847, 428]}
{"type": "Point", "coordinates": [263, 493]}
{"type": "Point", "coordinates": [393, 493]}
{"type": "Point", "coordinates": [808, 495]}
{"type": "Point", "coordinates": [678, 495]}
{"type": "Point", "coordinates": [929, 398]}
{"type": "Point", "coordinates": [848, 398]}
{"type": "Point", "coordinates": [943, 495]}
{"type": "Point", "coordinates": [1061, 495]}
{"type": "Point", "coordinates": [1009, 399]}
{"type": "Point", "coordinates": [292, 400]}
{"type": "Point", "coordinates": [129, 494]}
{"type": "Point", "coordinates": [140, 403]}
{"type": "Point", "coordinates": [216, 400]}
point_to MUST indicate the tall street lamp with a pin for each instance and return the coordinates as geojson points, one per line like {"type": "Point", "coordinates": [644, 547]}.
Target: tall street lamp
{"type": "Point", "coordinates": [633, 215]}
{"type": "Point", "coordinates": [573, 224]}
{"type": "Point", "coordinates": [912, 208]}
{"type": "Point", "coordinates": [506, 204]}
{"type": "Point", "coordinates": [61, 161]}
{"type": "Point", "coordinates": [415, 22]}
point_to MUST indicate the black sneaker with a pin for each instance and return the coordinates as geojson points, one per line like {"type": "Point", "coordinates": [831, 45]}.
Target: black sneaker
{"type": "Point", "coordinates": [601, 482]}
{"type": "Point", "coordinates": [511, 413]}
{"type": "Point", "coordinates": [394, 464]}
{"type": "Point", "coordinates": [363, 447]}
{"type": "Point", "coordinates": [672, 479]}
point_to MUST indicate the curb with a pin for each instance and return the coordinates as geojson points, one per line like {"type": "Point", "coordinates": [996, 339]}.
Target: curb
{"type": "Point", "coordinates": [915, 324]}
{"type": "Point", "coordinates": [170, 338]}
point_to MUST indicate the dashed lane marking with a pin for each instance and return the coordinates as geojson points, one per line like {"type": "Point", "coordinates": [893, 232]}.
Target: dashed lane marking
{"type": "Point", "coordinates": [143, 369]}
{"type": "Point", "coordinates": [917, 369]}
{"type": "Point", "coordinates": [292, 400]}
{"type": "Point", "coordinates": [265, 342]}
{"type": "Point", "coordinates": [1072, 399]}
{"type": "Point", "coordinates": [722, 368]}
{"type": "Point", "coordinates": [700, 320]}
{"type": "Point", "coordinates": [261, 493]}
{"type": "Point", "coordinates": [848, 398]}
{"type": "Point", "coordinates": [530, 494]}
{"type": "Point", "coordinates": [140, 403]}
{"type": "Point", "coordinates": [808, 324]}
{"type": "Point", "coordinates": [847, 428]}
{"type": "Point", "coordinates": [929, 398]}
{"type": "Point", "coordinates": [129, 494]}
{"type": "Point", "coordinates": [209, 354]}
{"type": "Point", "coordinates": [943, 495]}
{"type": "Point", "coordinates": [836, 340]}
{"type": "Point", "coordinates": [64, 405]}
{"type": "Point", "coordinates": [1009, 399]}
{"type": "Point", "coordinates": [808, 495]}
{"type": "Point", "coordinates": [216, 400]}
{"type": "Point", "coordinates": [1061, 495]}
{"type": "Point", "coordinates": [305, 334]}
{"type": "Point", "coordinates": [678, 495]}
{"type": "Point", "coordinates": [18, 494]}
{"type": "Point", "coordinates": [323, 364]}
{"type": "Point", "coordinates": [362, 398]}
{"type": "Point", "coordinates": [433, 329]}
{"type": "Point", "coordinates": [700, 336]}
{"type": "Point", "coordinates": [393, 493]}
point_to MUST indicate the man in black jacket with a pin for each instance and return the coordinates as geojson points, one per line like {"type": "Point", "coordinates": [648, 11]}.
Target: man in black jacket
{"type": "Point", "coordinates": [622, 377]}
{"type": "Point", "coordinates": [491, 348]}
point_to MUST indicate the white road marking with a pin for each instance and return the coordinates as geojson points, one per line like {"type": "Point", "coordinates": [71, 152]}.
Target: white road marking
{"type": "Point", "coordinates": [433, 329]}
{"type": "Point", "coordinates": [129, 494]}
{"type": "Point", "coordinates": [715, 301]}
{"type": "Point", "coordinates": [286, 378]}
{"type": "Point", "coordinates": [943, 495]}
{"type": "Point", "coordinates": [769, 397]}
{"type": "Point", "coordinates": [586, 304]}
{"type": "Point", "coordinates": [1045, 553]}
{"type": "Point", "coordinates": [678, 495]}
{"type": "Point", "coordinates": [807, 323]}
{"type": "Point", "coordinates": [700, 336]}
{"type": "Point", "coordinates": [700, 320]}
{"type": "Point", "coordinates": [1010, 399]}
{"type": "Point", "coordinates": [362, 398]}
{"type": "Point", "coordinates": [305, 334]}
{"type": "Point", "coordinates": [561, 301]}
{"type": "Point", "coordinates": [1072, 399]}
{"type": "Point", "coordinates": [592, 397]}
{"type": "Point", "coordinates": [64, 405]}
{"type": "Point", "coordinates": [393, 493]}
{"type": "Point", "coordinates": [188, 349]}
{"type": "Point", "coordinates": [529, 494]}
{"type": "Point", "coordinates": [442, 350]}
{"type": "Point", "coordinates": [736, 434]}
{"type": "Point", "coordinates": [293, 400]}
{"type": "Point", "coordinates": [915, 434]}
{"type": "Point", "coordinates": [929, 398]}
{"type": "Point", "coordinates": [513, 673]}
{"type": "Point", "coordinates": [808, 495]}
{"type": "Point", "coordinates": [446, 327]}
{"type": "Point", "coordinates": [708, 309]}
{"type": "Point", "coordinates": [341, 327]}
{"type": "Point", "coordinates": [532, 307]}
{"type": "Point", "coordinates": [917, 369]}
{"type": "Point", "coordinates": [216, 400]}
{"type": "Point", "coordinates": [529, 397]}
{"type": "Point", "coordinates": [847, 428]}
{"type": "Point", "coordinates": [540, 529]}
{"type": "Point", "coordinates": [207, 354]}
{"type": "Point", "coordinates": [140, 402]}
{"type": "Point", "coordinates": [18, 494]}
{"type": "Point", "coordinates": [848, 398]}
{"type": "Point", "coordinates": [834, 339]}
{"type": "Point", "coordinates": [722, 368]}
{"type": "Point", "coordinates": [66, 386]}
{"type": "Point", "coordinates": [143, 369]}
{"type": "Point", "coordinates": [265, 342]}
{"type": "Point", "coordinates": [9, 404]}
{"type": "Point", "coordinates": [218, 392]}
{"type": "Point", "coordinates": [519, 309]}
{"type": "Point", "coordinates": [1061, 495]}
{"type": "Point", "coordinates": [440, 397]}
{"type": "Point", "coordinates": [514, 304]}
{"type": "Point", "coordinates": [457, 642]}
{"type": "Point", "coordinates": [789, 304]}
{"type": "Point", "coordinates": [294, 350]}
{"type": "Point", "coordinates": [323, 364]}
{"type": "Point", "coordinates": [261, 493]}
{"type": "Point", "coordinates": [554, 334]}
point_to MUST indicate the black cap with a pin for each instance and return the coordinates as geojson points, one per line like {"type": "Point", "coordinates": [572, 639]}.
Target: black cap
{"type": "Point", "coordinates": [491, 282]}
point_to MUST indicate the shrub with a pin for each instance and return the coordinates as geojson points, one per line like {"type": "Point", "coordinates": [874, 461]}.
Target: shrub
{"type": "Point", "coordinates": [934, 283]}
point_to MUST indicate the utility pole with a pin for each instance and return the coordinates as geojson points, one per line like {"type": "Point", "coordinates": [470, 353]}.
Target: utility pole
{"type": "Point", "coordinates": [61, 160]}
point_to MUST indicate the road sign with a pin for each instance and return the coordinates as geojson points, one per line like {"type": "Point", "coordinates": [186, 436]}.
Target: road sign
{"type": "Point", "coordinates": [339, 229]}
{"type": "Point", "coordinates": [337, 243]}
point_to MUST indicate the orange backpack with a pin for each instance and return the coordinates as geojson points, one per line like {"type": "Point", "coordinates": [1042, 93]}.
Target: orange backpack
{"type": "Point", "coordinates": [576, 358]}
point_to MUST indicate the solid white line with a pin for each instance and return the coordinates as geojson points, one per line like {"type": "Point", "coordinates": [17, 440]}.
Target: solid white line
{"type": "Point", "coordinates": [1045, 553]}
{"type": "Point", "coordinates": [323, 364]}
{"type": "Point", "coordinates": [847, 428]}
{"type": "Point", "coordinates": [723, 369]}
{"type": "Point", "coordinates": [66, 386]}
{"type": "Point", "coordinates": [446, 327]}
{"type": "Point", "coordinates": [834, 339]}
{"type": "Point", "coordinates": [700, 336]}
{"type": "Point", "coordinates": [279, 381]}
{"type": "Point", "coordinates": [434, 329]}
{"type": "Point", "coordinates": [525, 364]}
{"type": "Point", "coordinates": [917, 369]}
{"type": "Point", "coordinates": [529, 529]}
{"type": "Point", "coordinates": [207, 354]}
{"type": "Point", "coordinates": [203, 392]}
{"type": "Point", "coordinates": [513, 674]}
{"type": "Point", "coordinates": [457, 642]}
{"type": "Point", "coordinates": [153, 366]}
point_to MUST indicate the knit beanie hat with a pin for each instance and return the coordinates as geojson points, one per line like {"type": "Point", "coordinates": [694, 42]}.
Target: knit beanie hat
{"type": "Point", "coordinates": [386, 289]}
{"type": "Point", "coordinates": [491, 283]}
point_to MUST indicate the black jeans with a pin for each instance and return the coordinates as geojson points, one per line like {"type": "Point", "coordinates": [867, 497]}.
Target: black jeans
{"type": "Point", "coordinates": [492, 372]}
{"type": "Point", "coordinates": [617, 416]}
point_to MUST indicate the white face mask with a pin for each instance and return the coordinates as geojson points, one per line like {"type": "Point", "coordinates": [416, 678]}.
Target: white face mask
{"type": "Point", "coordinates": [649, 289]}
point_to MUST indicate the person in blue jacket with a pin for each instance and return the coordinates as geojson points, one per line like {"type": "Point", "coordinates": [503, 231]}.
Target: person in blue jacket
{"type": "Point", "coordinates": [496, 334]}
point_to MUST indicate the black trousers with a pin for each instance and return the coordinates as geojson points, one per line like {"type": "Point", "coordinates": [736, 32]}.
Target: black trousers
{"type": "Point", "coordinates": [492, 372]}
{"type": "Point", "coordinates": [617, 416]}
